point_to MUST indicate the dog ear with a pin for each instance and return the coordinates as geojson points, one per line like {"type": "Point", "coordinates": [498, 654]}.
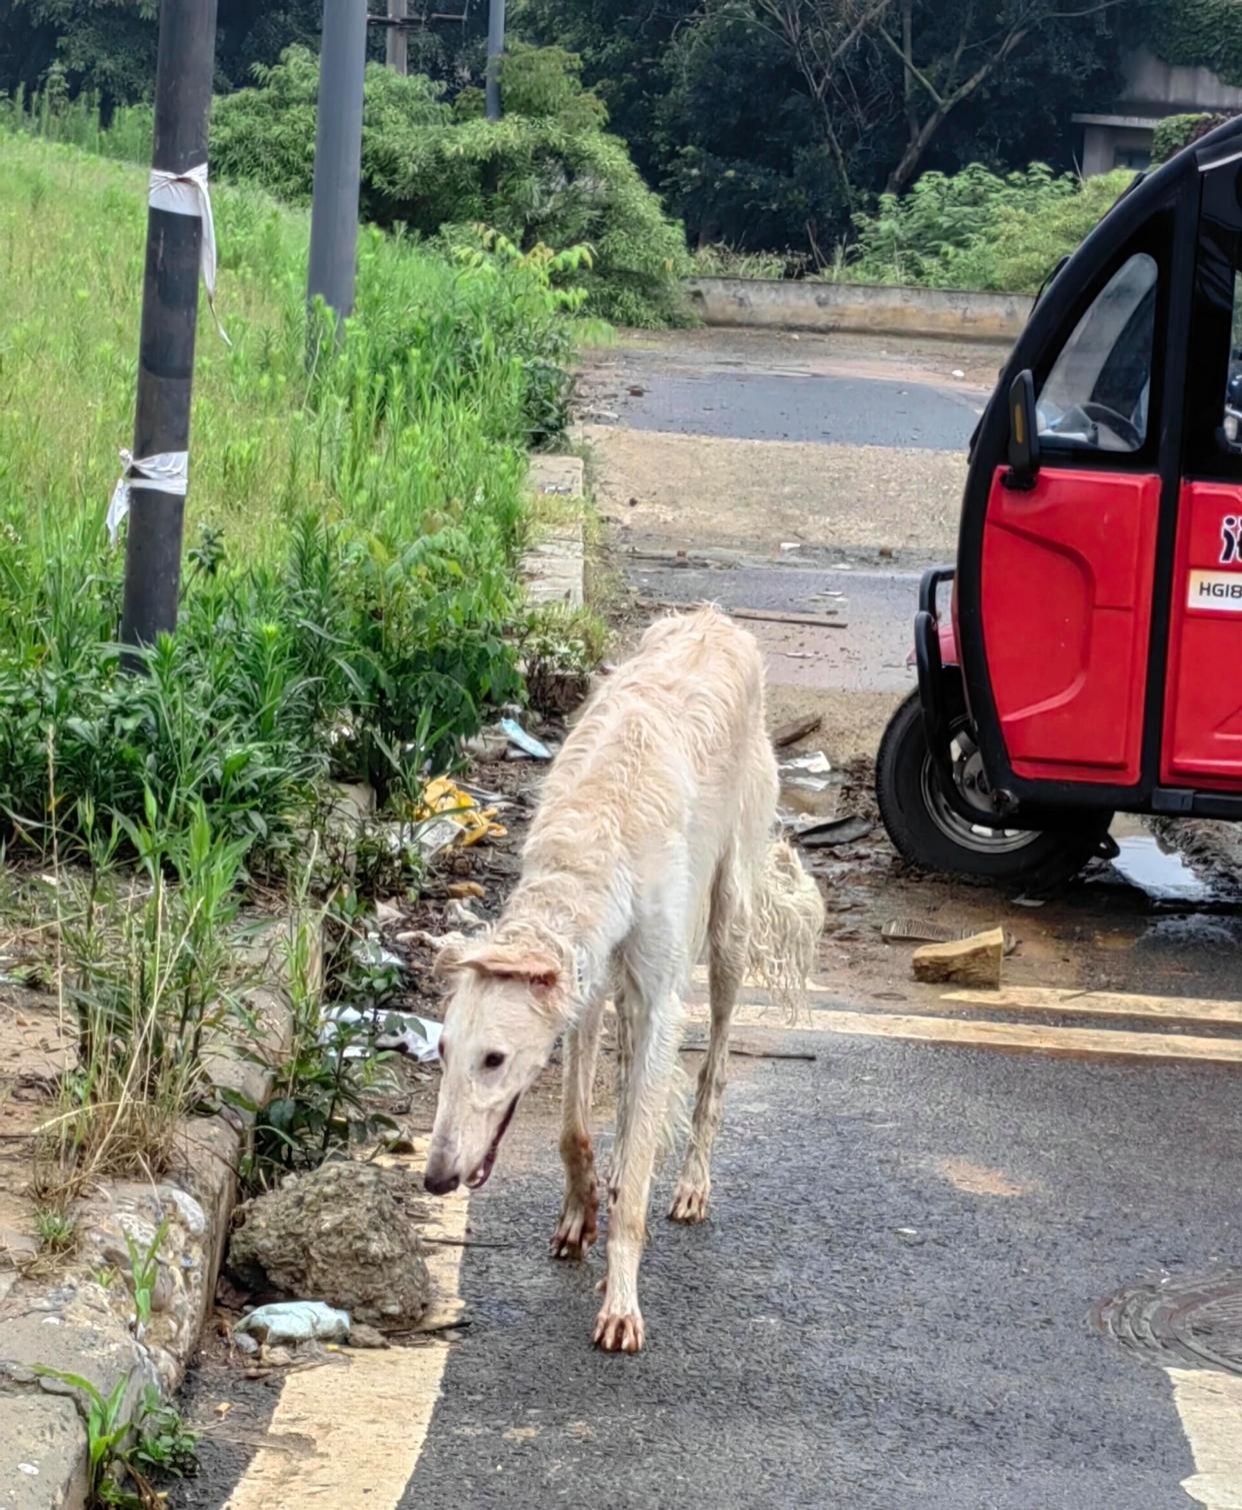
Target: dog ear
{"type": "Point", "coordinates": [542, 971]}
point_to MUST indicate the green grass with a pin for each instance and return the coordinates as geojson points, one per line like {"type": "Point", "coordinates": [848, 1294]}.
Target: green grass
{"type": "Point", "coordinates": [351, 524]}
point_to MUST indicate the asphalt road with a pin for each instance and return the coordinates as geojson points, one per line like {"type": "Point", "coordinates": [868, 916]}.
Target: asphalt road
{"type": "Point", "coordinates": [773, 405]}
{"type": "Point", "coordinates": [888, 1308]}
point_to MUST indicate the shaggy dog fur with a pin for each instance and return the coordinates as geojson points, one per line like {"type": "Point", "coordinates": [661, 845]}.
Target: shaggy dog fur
{"type": "Point", "coordinates": [654, 835]}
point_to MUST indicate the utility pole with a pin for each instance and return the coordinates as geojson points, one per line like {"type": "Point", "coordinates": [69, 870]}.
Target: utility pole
{"type": "Point", "coordinates": [495, 51]}
{"type": "Point", "coordinates": [178, 217]}
{"type": "Point", "coordinates": [395, 53]}
{"type": "Point", "coordinates": [338, 155]}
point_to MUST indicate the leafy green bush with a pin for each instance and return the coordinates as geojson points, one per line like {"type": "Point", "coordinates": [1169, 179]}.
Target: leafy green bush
{"type": "Point", "coordinates": [1178, 131]}
{"type": "Point", "coordinates": [546, 178]}
{"type": "Point", "coordinates": [1196, 34]}
{"type": "Point", "coordinates": [978, 230]}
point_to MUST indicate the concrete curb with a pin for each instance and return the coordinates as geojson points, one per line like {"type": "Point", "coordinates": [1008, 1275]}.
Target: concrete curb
{"type": "Point", "coordinates": [82, 1320]}
{"type": "Point", "coordinates": [877, 309]}
{"type": "Point", "coordinates": [554, 567]}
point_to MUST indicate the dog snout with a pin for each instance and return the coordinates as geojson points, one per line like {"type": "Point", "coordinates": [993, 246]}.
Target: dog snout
{"type": "Point", "coordinates": [439, 1178]}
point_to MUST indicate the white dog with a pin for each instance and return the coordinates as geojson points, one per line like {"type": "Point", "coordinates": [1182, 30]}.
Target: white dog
{"type": "Point", "coordinates": [654, 833]}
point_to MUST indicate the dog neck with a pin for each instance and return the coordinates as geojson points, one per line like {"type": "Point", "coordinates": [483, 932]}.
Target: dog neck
{"type": "Point", "coordinates": [558, 925]}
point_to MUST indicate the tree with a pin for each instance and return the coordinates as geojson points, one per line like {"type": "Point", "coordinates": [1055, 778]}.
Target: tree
{"type": "Point", "coordinates": [945, 51]}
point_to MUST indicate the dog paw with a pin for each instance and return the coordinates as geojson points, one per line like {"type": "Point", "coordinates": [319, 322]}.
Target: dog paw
{"type": "Point", "coordinates": [576, 1230]}
{"type": "Point", "coordinates": [619, 1334]}
{"type": "Point", "coordinates": [689, 1203]}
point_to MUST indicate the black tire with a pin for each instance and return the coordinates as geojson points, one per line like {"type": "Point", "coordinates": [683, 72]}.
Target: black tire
{"type": "Point", "coordinates": [927, 832]}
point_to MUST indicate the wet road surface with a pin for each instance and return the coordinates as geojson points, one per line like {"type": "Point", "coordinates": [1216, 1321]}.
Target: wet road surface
{"type": "Point", "coordinates": [889, 1306]}
{"type": "Point", "coordinates": [859, 410]}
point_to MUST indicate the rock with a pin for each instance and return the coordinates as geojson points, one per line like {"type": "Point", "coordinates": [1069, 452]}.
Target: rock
{"type": "Point", "coordinates": [974, 961]}
{"type": "Point", "coordinates": [345, 1234]}
{"type": "Point", "coordinates": [366, 1336]}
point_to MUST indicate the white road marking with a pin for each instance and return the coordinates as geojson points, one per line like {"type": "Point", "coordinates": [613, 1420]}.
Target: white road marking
{"type": "Point", "coordinates": [351, 1437]}
{"type": "Point", "coordinates": [1210, 1407]}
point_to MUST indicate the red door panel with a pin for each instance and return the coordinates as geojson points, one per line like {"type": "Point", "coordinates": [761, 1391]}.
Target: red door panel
{"type": "Point", "coordinates": [1067, 580]}
{"type": "Point", "coordinates": [1203, 704]}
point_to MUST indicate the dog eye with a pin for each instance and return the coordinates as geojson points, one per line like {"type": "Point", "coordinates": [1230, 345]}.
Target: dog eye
{"type": "Point", "coordinates": [493, 1061]}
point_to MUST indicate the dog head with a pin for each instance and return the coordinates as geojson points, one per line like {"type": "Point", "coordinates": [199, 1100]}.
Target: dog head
{"type": "Point", "coordinates": [509, 1002]}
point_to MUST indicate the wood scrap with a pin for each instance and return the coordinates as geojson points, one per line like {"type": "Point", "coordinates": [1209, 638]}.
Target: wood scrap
{"type": "Point", "coordinates": [790, 733]}
{"type": "Point", "coordinates": [974, 961]}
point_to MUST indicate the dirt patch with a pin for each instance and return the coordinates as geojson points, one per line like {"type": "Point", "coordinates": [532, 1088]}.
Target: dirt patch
{"type": "Point", "coordinates": [755, 494]}
{"type": "Point", "coordinates": [33, 1050]}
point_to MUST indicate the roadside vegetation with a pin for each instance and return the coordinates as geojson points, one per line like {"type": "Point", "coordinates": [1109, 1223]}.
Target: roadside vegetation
{"type": "Point", "coordinates": [349, 612]}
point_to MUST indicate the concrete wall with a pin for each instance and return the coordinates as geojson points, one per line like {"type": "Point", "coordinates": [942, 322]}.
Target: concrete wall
{"type": "Point", "coordinates": [774, 304]}
{"type": "Point", "coordinates": [1162, 89]}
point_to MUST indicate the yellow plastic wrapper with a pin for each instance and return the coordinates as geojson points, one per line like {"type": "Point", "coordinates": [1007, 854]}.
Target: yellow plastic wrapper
{"type": "Point", "coordinates": [445, 798]}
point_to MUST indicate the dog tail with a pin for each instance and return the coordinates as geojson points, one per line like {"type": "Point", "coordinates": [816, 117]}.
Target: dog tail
{"type": "Point", "coordinates": [787, 920]}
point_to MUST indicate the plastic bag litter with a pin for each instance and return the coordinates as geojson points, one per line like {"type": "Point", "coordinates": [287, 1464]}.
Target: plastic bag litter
{"type": "Point", "coordinates": [297, 1321]}
{"type": "Point", "coordinates": [526, 743]}
{"type": "Point", "coordinates": [807, 773]}
{"type": "Point", "coordinates": [402, 1032]}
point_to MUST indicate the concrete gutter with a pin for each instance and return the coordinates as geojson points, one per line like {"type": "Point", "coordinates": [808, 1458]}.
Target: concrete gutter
{"type": "Point", "coordinates": [787, 304]}
{"type": "Point", "coordinates": [81, 1318]}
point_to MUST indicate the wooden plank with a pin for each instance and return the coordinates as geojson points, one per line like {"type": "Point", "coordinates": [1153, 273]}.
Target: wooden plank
{"type": "Point", "coordinates": [1192, 1010]}
{"type": "Point", "coordinates": [760, 615]}
{"type": "Point", "coordinates": [797, 728]}
{"type": "Point", "coordinates": [1070, 1043]}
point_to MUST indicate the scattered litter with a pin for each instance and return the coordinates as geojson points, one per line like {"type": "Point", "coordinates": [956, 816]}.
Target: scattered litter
{"type": "Point", "coordinates": [797, 655]}
{"type": "Point", "coordinates": [295, 1321]}
{"type": "Point", "coordinates": [791, 545]}
{"type": "Point", "coordinates": [925, 931]}
{"type": "Point", "coordinates": [885, 553]}
{"type": "Point", "coordinates": [224, 1407]}
{"type": "Point", "coordinates": [444, 798]}
{"type": "Point", "coordinates": [370, 951]}
{"type": "Point", "coordinates": [402, 1032]}
{"type": "Point", "coordinates": [835, 831]}
{"type": "Point", "coordinates": [525, 743]}
{"type": "Point", "coordinates": [29, 1468]}
{"type": "Point", "coordinates": [457, 912]}
{"type": "Point", "coordinates": [841, 566]}
{"type": "Point", "coordinates": [807, 773]}
{"type": "Point", "coordinates": [958, 373]}
{"type": "Point", "coordinates": [387, 912]}
{"type": "Point", "coordinates": [245, 1343]}
{"type": "Point", "coordinates": [418, 1037]}
{"type": "Point", "coordinates": [637, 390]}
{"type": "Point", "coordinates": [814, 764]}
{"type": "Point", "coordinates": [465, 889]}
{"type": "Point", "coordinates": [1025, 901]}
{"type": "Point", "coordinates": [795, 729]}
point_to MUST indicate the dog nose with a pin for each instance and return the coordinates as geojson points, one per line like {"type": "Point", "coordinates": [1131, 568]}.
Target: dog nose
{"type": "Point", "coordinates": [441, 1184]}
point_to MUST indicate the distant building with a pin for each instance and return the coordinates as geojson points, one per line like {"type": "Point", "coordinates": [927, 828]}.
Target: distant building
{"type": "Point", "coordinates": [1152, 91]}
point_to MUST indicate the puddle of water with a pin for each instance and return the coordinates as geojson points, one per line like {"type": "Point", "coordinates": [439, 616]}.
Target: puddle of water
{"type": "Point", "coordinates": [1164, 877]}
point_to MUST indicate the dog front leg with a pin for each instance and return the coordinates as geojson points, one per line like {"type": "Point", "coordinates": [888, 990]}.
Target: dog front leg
{"type": "Point", "coordinates": [655, 1029]}
{"type": "Point", "coordinates": [577, 1228]}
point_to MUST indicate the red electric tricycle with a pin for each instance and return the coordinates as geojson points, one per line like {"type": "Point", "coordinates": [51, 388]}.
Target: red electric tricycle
{"type": "Point", "coordinates": [1089, 659]}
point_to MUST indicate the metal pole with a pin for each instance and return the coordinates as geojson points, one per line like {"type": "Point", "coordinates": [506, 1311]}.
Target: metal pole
{"type": "Point", "coordinates": [338, 155]}
{"type": "Point", "coordinates": [495, 50]}
{"type": "Point", "coordinates": [396, 54]}
{"type": "Point", "coordinates": [183, 79]}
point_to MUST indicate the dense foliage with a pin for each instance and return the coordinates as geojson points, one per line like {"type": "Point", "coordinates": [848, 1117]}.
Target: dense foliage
{"type": "Point", "coordinates": [978, 230]}
{"type": "Point", "coordinates": [1197, 33]}
{"type": "Point", "coordinates": [549, 177]}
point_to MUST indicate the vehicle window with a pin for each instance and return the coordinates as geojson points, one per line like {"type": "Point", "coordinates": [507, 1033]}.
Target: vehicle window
{"type": "Point", "coordinates": [1097, 395]}
{"type": "Point", "coordinates": [1230, 433]}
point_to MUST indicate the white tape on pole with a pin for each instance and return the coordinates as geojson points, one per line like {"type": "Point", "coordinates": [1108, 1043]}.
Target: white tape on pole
{"type": "Point", "coordinates": [166, 472]}
{"type": "Point", "coordinates": [186, 194]}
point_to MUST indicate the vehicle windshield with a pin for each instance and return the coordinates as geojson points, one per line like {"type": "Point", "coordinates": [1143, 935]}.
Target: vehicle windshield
{"type": "Point", "coordinates": [1098, 394]}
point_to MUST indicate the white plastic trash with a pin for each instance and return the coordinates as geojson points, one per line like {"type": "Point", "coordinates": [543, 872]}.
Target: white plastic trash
{"type": "Point", "coordinates": [297, 1321]}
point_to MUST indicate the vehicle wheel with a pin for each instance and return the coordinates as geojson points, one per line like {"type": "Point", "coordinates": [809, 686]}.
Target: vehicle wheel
{"type": "Point", "coordinates": [929, 832]}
